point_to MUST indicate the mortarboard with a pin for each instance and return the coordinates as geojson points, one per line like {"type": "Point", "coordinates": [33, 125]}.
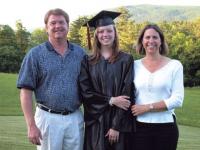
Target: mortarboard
{"type": "Point", "coordinates": [103, 18]}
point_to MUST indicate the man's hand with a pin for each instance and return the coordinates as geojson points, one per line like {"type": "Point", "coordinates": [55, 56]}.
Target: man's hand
{"type": "Point", "coordinates": [34, 135]}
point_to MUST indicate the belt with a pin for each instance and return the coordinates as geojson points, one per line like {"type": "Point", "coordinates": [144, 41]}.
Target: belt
{"type": "Point", "coordinates": [65, 112]}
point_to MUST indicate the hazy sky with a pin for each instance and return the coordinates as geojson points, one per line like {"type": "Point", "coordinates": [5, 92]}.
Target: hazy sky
{"type": "Point", "coordinates": [31, 12]}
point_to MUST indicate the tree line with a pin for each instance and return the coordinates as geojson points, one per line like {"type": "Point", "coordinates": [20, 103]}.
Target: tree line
{"type": "Point", "coordinates": [183, 38]}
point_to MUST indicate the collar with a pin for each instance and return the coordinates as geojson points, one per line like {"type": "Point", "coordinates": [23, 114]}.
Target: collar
{"type": "Point", "coordinates": [51, 48]}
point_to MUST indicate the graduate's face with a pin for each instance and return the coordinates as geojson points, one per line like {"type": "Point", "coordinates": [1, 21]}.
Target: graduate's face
{"type": "Point", "coordinates": [106, 35]}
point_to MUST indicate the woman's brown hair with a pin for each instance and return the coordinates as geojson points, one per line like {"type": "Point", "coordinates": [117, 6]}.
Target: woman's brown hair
{"type": "Point", "coordinates": [163, 47]}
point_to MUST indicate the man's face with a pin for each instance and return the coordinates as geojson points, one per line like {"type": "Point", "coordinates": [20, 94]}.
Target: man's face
{"type": "Point", "coordinates": [57, 27]}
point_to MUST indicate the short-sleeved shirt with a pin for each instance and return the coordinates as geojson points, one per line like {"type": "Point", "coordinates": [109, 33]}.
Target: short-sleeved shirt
{"type": "Point", "coordinates": [52, 77]}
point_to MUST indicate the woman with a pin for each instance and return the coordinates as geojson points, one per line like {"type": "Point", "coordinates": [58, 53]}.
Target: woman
{"type": "Point", "coordinates": [159, 83]}
{"type": "Point", "coordinates": [106, 84]}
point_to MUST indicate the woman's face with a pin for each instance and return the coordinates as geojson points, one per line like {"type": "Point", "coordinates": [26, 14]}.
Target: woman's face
{"type": "Point", "coordinates": [106, 35]}
{"type": "Point", "coordinates": [151, 41]}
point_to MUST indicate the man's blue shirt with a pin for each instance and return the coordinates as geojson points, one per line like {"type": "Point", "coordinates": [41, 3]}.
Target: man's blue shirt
{"type": "Point", "coordinates": [52, 77]}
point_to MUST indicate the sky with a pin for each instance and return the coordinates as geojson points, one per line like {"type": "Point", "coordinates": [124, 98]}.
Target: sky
{"type": "Point", "coordinates": [31, 12]}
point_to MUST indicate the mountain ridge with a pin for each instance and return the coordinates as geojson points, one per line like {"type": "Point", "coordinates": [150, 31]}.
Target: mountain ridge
{"type": "Point", "coordinates": [159, 13]}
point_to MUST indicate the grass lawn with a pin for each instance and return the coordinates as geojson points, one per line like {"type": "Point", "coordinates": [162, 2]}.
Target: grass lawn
{"type": "Point", "coordinates": [189, 114]}
{"type": "Point", "coordinates": [189, 138]}
{"type": "Point", "coordinates": [13, 135]}
{"type": "Point", "coordinates": [13, 130]}
{"type": "Point", "coordinates": [9, 95]}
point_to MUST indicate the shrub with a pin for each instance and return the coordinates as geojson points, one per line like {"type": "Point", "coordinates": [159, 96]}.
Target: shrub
{"type": "Point", "coordinates": [10, 59]}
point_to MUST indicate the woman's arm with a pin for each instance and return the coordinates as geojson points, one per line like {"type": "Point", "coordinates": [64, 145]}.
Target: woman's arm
{"type": "Point", "coordinates": [153, 107]}
{"type": "Point", "coordinates": [174, 101]}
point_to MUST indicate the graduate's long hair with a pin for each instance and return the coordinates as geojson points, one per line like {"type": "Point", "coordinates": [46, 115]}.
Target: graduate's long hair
{"type": "Point", "coordinates": [96, 54]}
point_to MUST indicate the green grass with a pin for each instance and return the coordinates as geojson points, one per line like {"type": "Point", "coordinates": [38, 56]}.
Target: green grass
{"type": "Point", "coordinates": [13, 129]}
{"type": "Point", "coordinates": [189, 114]}
{"type": "Point", "coordinates": [9, 95]}
{"type": "Point", "coordinates": [189, 138]}
{"type": "Point", "coordinates": [13, 135]}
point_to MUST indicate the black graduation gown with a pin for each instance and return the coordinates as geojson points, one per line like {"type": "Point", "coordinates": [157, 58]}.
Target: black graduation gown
{"type": "Point", "coordinates": [98, 83]}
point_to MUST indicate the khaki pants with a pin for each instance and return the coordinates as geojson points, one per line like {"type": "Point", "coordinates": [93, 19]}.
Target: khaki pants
{"type": "Point", "coordinates": [60, 132]}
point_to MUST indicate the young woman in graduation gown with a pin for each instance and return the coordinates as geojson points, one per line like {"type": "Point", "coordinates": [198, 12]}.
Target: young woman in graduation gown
{"type": "Point", "coordinates": [106, 85]}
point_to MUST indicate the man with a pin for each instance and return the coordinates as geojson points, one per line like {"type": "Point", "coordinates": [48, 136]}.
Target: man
{"type": "Point", "coordinates": [50, 70]}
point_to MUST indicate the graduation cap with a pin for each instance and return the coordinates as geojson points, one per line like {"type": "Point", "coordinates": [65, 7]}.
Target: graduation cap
{"type": "Point", "coordinates": [103, 18]}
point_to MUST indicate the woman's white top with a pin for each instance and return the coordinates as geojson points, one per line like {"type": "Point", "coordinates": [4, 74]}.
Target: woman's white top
{"type": "Point", "coordinates": [164, 84]}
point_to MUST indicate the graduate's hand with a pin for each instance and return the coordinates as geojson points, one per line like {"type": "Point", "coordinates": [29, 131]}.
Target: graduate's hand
{"type": "Point", "coordinates": [121, 102]}
{"type": "Point", "coordinates": [113, 136]}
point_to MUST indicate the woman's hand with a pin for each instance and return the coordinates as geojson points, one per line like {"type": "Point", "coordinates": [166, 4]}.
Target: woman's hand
{"type": "Point", "coordinates": [121, 102]}
{"type": "Point", "coordinates": [139, 109]}
{"type": "Point", "coordinates": [113, 136]}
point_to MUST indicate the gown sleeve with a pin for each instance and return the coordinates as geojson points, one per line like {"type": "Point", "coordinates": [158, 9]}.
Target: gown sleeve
{"type": "Point", "coordinates": [94, 103]}
{"type": "Point", "coordinates": [122, 120]}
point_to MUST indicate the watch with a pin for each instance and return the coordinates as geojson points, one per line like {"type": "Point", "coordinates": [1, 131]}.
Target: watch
{"type": "Point", "coordinates": [111, 101]}
{"type": "Point", "coordinates": [151, 107]}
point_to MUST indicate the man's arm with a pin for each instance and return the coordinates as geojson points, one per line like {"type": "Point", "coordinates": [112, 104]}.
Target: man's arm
{"type": "Point", "coordinates": [34, 133]}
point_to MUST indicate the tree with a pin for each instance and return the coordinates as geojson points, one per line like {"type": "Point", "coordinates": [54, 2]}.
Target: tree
{"type": "Point", "coordinates": [22, 36]}
{"type": "Point", "coordinates": [74, 34]}
{"type": "Point", "coordinates": [7, 36]}
{"type": "Point", "coordinates": [83, 37]}
{"type": "Point", "coordinates": [127, 30]}
{"type": "Point", "coordinates": [10, 59]}
{"type": "Point", "coordinates": [78, 32]}
{"type": "Point", "coordinates": [38, 36]}
{"type": "Point", "coordinates": [185, 46]}
{"type": "Point", "coordinates": [196, 28]}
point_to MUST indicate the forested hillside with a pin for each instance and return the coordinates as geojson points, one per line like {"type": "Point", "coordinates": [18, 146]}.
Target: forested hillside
{"type": "Point", "coordinates": [141, 13]}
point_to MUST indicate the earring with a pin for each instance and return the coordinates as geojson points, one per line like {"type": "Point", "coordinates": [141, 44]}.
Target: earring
{"type": "Point", "coordinates": [143, 50]}
{"type": "Point", "coordinates": [160, 50]}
